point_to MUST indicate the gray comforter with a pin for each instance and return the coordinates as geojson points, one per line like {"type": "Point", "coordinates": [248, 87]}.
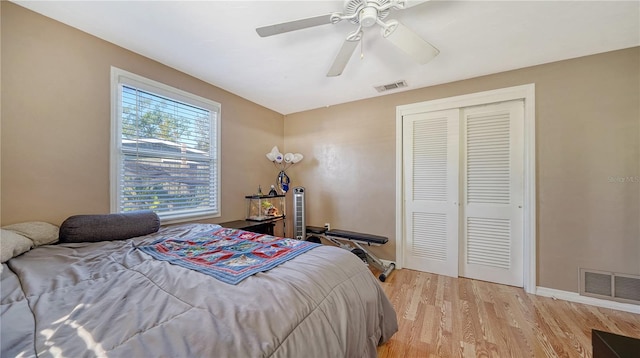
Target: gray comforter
{"type": "Point", "coordinates": [110, 299]}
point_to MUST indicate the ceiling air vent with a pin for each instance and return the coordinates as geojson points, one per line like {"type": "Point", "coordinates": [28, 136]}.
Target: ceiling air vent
{"type": "Point", "coordinates": [391, 86]}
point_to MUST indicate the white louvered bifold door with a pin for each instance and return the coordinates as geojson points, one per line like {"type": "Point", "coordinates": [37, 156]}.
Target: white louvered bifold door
{"type": "Point", "coordinates": [492, 182]}
{"type": "Point", "coordinates": [431, 152]}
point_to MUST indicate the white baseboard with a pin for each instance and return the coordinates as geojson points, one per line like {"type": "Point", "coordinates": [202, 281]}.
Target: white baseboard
{"type": "Point", "coordinates": [575, 297]}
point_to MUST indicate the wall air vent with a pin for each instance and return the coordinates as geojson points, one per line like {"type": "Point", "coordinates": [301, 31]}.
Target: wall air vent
{"type": "Point", "coordinates": [391, 86]}
{"type": "Point", "coordinates": [610, 286]}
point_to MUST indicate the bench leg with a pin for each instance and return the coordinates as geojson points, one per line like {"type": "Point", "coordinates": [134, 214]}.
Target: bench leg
{"type": "Point", "coordinates": [383, 276]}
{"type": "Point", "coordinates": [386, 269]}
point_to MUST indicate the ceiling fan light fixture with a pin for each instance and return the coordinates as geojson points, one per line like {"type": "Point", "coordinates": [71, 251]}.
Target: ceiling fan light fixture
{"type": "Point", "coordinates": [368, 16]}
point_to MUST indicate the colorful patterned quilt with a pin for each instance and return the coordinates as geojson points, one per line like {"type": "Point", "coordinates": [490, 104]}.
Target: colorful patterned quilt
{"type": "Point", "coordinates": [230, 255]}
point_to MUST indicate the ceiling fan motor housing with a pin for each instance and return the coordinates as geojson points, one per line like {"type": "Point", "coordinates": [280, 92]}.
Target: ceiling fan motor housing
{"type": "Point", "coordinates": [367, 14]}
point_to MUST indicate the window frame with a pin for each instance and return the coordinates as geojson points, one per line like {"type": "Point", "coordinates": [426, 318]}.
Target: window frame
{"type": "Point", "coordinates": [121, 77]}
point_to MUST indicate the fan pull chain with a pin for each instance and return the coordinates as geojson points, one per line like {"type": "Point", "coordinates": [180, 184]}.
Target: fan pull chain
{"type": "Point", "coordinates": [362, 46]}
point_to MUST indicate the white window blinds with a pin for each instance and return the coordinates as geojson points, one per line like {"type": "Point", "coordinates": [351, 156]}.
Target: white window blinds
{"type": "Point", "coordinates": [167, 157]}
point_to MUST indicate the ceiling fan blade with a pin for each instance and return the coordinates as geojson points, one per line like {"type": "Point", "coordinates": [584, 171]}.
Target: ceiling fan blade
{"type": "Point", "coordinates": [412, 3]}
{"type": "Point", "coordinates": [293, 25]}
{"type": "Point", "coordinates": [408, 41]}
{"type": "Point", "coordinates": [343, 58]}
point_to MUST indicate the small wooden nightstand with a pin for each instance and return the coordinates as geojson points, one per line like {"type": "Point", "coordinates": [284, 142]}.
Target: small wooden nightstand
{"type": "Point", "coordinates": [260, 227]}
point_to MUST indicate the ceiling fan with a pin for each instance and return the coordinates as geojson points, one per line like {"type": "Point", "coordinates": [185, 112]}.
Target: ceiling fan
{"type": "Point", "coordinates": [365, 14]}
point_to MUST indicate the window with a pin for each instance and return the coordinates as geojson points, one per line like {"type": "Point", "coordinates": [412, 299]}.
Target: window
{"type": "Point", "coordinates": [165, 150]}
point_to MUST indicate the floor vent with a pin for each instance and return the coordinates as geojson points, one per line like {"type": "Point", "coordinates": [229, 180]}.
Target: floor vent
{"type": "Point", "coordinates": [391, 86]}
{"type": "Point", "coordinates": [610, 286]}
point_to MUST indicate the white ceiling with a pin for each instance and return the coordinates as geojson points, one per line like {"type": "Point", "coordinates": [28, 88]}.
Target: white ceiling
{"type": "Point", "coordinates": [216, 42]}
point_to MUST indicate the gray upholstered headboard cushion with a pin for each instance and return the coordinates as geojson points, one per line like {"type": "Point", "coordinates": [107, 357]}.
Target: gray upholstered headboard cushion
{"type": "Point", "coordinates": [93, 228]}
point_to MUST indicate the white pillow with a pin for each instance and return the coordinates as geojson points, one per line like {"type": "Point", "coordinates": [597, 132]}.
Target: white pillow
{"type": "Point", "coordinates": [41, 233]}
{"type": "Point", "coordinates": [13, 244]}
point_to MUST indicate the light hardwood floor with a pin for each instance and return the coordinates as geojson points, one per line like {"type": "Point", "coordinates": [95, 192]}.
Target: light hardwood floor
{"type": "Point", "coordinates": [440, 316]}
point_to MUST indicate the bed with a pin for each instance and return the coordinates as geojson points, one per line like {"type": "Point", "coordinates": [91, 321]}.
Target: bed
{"type": "Point", "coordinates": [110, 298]}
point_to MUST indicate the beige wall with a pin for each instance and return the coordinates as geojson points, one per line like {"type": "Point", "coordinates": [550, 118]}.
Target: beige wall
{"type": "Point", "coordinates": [587, 130]}
{"type": "Point", "coordinates": [55, 145]}
{"type": "Point", "coordinates": [56, 122]}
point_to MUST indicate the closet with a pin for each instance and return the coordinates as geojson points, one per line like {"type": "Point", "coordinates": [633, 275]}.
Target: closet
{"type": "Point", "coordinates": [463, 186]}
